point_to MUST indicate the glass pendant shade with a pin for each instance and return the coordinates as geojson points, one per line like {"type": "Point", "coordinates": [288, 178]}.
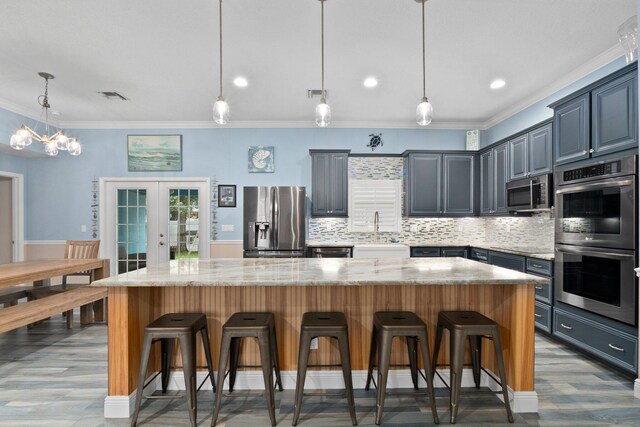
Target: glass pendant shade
{"type": "Point", "coordinates": [51, 149]}
{"type": "Point", "coordinates": [62, 142]}
{"type": "Point", "coordinates": [323, 114]}
{"type": "Point", "coordinates": [75, 149]}
{"type": "Point", "coordinates": [221, 111]}
{"type": "Point", "coordinates": [16, 142]}
{"type": "Point", "coordinates": [424, 112]}
{"type": "Point", "coordinates": [26, 136]}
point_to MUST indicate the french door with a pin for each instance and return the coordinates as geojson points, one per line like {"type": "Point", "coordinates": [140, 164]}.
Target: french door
{"type": "Point", "coordinates": [147, 222]}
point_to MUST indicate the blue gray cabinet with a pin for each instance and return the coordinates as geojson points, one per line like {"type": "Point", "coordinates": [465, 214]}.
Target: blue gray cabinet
{"type": "Point", "coordinates": [512, 262]}
{"type": "Point", "coordinates": [329, 183]}
{"type": "Point", "coordinates": [425, 184]}
{"type": "Point", "coordinates": [461, 252]}
{"type": "Point", "coordinates": [458, 180]}
{"type": "Point", "coordinates": [433, 252]}
{"type": "Point", "coordinates": [598, 120]}
{"type": "Point", "coordinates": [613, 115]}
{"type": "Point", "coordinates": [494, 174]}
{"type": "Point", "coordinates": [486, 183]}
{"type": "Point", "coordinates": [571, 130]}
{"type": "Point", "coordinates": [440, 184]}
{"type": "Point", "coordinates": [518, 150]}
{"type": "Point", "coordinates": [530, 154]}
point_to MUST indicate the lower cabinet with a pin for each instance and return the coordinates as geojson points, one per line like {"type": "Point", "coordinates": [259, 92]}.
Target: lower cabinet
{"type": "Point", "coordinates": [615, 346]}
{"type": "Point", "coordinates": [512, 262]}
{"type": "Point", "coordinates": [455, 252]}
{"type": "Point", "coordinates": [542, 316]}
{"type": "Point", "coordinates": [431, 252]}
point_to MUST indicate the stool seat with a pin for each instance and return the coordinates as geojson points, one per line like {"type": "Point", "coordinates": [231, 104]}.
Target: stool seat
{"type": "Point", "coordinates": [474, 326]}
{"type": "Point", "coordinates": [386, 326]}
{"type": "Point", "coordinates": [177, 322]}
{"type": "Point", "coordinates": [166, 329]}
{"type": "Point", "coordinates": [258, 325]}
{"type": "Point", "coordinates": [324, 324]}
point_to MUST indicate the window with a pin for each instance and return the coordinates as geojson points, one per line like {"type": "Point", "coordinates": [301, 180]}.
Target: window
{"type": "Point", "coordinates": [369, 196]}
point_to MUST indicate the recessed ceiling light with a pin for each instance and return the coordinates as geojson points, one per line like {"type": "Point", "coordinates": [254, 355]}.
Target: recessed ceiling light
{"type": "Point", "coordinates": [497, 84]}
{"type": "Point", "coordinates": [240, 82]}
{"type": "Point", "coordinates": [370, 82]}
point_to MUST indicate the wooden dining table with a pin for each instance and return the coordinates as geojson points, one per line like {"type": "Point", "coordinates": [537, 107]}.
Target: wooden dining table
{"type": "Point", "coordinates": [39, 272]}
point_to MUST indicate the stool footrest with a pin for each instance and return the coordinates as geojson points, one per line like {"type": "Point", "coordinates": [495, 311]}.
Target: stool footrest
{"type": "Point", "coordinates": [171, 396]}
{"type": "Point", "coordinates": [325, 393]}
{"type": "Point", "coordinates": [337, 365]}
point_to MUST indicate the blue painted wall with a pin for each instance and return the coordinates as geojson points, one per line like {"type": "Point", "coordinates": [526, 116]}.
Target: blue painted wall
{"type": "Point", "coordinates": [14, 164]}
{"type": "Point", "coordinates": [58, 189]}
{"type": "Point", "coordinates": [539, 111]}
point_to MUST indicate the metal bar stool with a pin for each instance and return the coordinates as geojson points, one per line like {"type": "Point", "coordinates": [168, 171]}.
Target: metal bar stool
{"type": "Point", "coordinates": [386, 326]}
{"type": "Point", "coordinates": [332, 325]}
{"type": "Point", "coordinates": [166, 329]}
{"type": "Point", "coordinates": [261, 326]}
{"type": "Point", "coordinates": [475, 326]}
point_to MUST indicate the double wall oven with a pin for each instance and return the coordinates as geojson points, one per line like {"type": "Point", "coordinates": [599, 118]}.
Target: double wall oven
{"type": "Point", "coordinates": [596, 238]}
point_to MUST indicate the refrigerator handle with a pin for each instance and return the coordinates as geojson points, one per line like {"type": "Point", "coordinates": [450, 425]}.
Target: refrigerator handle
{"type": "Point", "coordinates": [276, 217]}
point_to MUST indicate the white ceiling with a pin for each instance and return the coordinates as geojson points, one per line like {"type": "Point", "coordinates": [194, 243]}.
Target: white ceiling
{"type": "Point", "coordinates": [163, 56]}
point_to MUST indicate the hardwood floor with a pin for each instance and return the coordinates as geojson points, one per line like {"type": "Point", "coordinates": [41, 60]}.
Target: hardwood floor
{"type": "Point", "coordinates": [51, 376]}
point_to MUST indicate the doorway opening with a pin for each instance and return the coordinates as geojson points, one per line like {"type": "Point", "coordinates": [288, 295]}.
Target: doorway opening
{"type": "Point", "coordinates": [11, 217]}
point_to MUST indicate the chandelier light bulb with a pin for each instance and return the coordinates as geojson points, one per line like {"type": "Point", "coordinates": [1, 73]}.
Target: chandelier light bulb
{"type": "Point", "coordinates": [74, 147]}
{"type": "Point", "coordinates": [221, 111]}
{"type": "Point", "coordinates": [51, 149]}
{"type": "Point", "coordinates": [62, 142]}
{"type": "Point", "coordinates": [323, 114]}
{"type": "Point", "coordinates": [424, 112]}
{"type": "Point", "coordinates": [25, 135]}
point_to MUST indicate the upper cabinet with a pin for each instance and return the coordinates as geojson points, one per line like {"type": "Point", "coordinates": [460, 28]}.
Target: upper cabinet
{"type": "Point", "coordinates": [329, 183]}
{"type": "Point", "coordinates": [600, 119]}
{"type": "Point", "coordinates": [440, 184]}
{"type": "Point", "coordinates": [494, 174]}
{"type": "Point", "coordinates": [530, 153]}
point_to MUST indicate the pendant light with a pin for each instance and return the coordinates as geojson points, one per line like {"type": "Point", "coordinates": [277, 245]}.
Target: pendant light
{"type": "Point", "coordinates": [220, 107]}
{"type": "Point", "coordinates": [424, 112]}
{"type": "Point", "coordinates": [323, 111]}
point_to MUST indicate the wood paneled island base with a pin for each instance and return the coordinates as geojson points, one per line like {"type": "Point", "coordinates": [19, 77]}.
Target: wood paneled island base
{"type": "Point", "coordinates": [510, 304]}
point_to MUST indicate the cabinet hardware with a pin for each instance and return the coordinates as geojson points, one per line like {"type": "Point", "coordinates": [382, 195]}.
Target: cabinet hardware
{"type": "Point", "coordinates": [536, 265]}
{"type": "Point", "coordinates": [539, 288]}
{"type": "Point", "coordinates": [616, 348]}
{"type": "Point", "coordinates": [584, 151]}
{"type": "Point", "coordinates": [540, 315]}
{"type": "Point", "coordinates": [566, 327]}
{"type": "Point", "coordinates": [592, 150]}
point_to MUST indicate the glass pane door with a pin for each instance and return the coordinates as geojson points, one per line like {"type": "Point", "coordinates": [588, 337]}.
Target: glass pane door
{"type": "Point", "coordinates": [132, 229]}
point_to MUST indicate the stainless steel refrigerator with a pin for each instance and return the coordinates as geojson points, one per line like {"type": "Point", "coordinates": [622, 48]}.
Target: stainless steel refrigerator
{"type": "Point", "coordinates": [274, 222]}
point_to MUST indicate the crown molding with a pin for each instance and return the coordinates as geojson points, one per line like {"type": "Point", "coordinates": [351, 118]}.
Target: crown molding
{"type": "Point", "coordinates": [262, 125]}
{"type": "Point", "coordinates": [583, 70]}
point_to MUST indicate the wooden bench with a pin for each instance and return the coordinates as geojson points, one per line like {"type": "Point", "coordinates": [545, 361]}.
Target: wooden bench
{"type": "Point", "coordinates": [39, 309]}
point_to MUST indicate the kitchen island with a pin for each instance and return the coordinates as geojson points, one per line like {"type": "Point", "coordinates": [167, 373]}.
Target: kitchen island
{"type": "Point", "coordinates": [291, 287]}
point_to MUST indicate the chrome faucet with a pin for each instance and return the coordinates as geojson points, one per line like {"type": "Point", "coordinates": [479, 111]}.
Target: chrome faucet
{"type": "Point", "coordinates": [376, 225]}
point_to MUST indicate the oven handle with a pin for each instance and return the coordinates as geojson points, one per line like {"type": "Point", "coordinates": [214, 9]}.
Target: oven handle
{"type": "Point", "coordinates": [582, 250]}
{"type": "Point", "coordinates": [595, 185]}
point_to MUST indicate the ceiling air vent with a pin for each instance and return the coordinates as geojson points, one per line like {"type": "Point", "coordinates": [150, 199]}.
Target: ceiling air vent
{"type": "Point", "coordinates": [316, 93]}
{"type": "Point", "coordinates": [113, 95]}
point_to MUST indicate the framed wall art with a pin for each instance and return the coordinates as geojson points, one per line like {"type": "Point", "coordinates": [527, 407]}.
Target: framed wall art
{"type": "Point", "coordinates": [226, 196]}
{"type": "Point", "coordinates": [154, 153]}
{"type": "Point", "coordinates": [261, 159]}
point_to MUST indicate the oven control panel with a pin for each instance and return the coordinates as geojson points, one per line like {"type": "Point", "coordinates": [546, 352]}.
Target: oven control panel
{"type": "Point", "coordinates": [603, 169]}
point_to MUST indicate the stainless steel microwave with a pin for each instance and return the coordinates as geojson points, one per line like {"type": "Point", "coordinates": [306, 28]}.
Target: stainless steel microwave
{"type": "Point", "coordinates": [530, 194]}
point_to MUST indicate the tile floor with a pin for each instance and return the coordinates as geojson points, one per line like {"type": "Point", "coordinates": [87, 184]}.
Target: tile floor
{"type": "Point", "coordinates": [50, 376]}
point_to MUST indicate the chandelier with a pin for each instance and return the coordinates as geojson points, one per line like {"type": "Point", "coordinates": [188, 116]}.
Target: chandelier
{"type": "Point", "coordinates": [53, 143]}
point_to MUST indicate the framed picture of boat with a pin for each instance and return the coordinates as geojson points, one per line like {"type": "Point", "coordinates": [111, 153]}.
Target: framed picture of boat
{"type": "Point", "coordinates": [154, 153]}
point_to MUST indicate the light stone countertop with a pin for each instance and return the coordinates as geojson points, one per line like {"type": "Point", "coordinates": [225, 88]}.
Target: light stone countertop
{"type": "Point", "coordinates": [531, 253]}
{"type": "Point", "coordinates": [321, 272]}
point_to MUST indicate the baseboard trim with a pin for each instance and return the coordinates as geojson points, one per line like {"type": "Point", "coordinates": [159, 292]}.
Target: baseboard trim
{"type": "Point", "coordinates": [636, 388]}
{"type": "Point", "coordinates": [521, 401]}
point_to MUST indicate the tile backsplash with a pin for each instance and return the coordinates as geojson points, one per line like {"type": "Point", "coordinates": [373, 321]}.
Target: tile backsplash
{"type": "Point", "coordinates": [535, 231]}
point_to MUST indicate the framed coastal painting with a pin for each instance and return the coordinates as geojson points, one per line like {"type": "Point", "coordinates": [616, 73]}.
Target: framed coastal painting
{"type": "Point", "coordinates": [154, 153]}
{"type": "Point", "coordinates": [261, 159]}
{"type": "Point", "coordinates": [226, 196]}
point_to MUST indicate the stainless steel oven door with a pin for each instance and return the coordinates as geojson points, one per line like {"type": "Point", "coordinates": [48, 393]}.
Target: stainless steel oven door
{"type": "Point", "coordinates": [598, 280]}
{"type": "Point", "coordinates": [599, 213]}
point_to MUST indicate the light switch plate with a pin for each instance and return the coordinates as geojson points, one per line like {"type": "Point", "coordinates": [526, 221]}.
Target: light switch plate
{"type": "Point", "coordinates": [83, 228]}
{"type": "Point", "coordinates": [228, 227]}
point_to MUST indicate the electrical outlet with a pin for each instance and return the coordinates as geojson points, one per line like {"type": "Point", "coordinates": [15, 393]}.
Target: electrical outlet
{"type": "Point", "coordinates": [427, 227]}
{"type": "Point", "coordinates": [508, 228]}
{"type": "Point", "coordinates": [83, 228]}
{"type": "Point", "coordinates": [460, 227]}
{"type": "Point", "coordinates": [413, 228]}
{"type": "Point", "coordinates": [314, 344]}
{"type": "Point", "coordinates": [228, 227]}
